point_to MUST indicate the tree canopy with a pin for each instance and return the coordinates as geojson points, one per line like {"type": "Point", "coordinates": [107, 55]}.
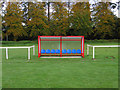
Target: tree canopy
{"type": "Point", "coordinates": [13, 21]}
{"type": "Point", "coordinates": [27, 20]}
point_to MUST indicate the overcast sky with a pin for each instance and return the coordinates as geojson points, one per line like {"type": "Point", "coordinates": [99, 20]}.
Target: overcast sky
{"type": "Point", "coordinates": [115, 11]}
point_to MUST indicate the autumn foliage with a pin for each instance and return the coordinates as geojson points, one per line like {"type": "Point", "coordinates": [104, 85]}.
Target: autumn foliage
{"type": "Point", "coordinates": [27, 20]}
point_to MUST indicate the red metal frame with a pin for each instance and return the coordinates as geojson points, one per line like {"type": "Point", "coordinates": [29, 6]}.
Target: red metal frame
{"type": "Point", "coordinates": [60, 36]}
{"type": "Point", "coordinates": [60, 46]}
{"type": "Point", "coordinates": [83, 48]}
{"type": "Point", "coordinates": [38, 47]}
{"type": "Point", "coordinates": [62, 55]}
{"type": "Point", "coordinates": [61, 39]}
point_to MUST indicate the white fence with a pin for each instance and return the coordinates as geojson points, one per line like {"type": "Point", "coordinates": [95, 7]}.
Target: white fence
{"type": "Point", "coordinates": [98, 46]}
{"type": "Point", "coordinates": [28, 47]}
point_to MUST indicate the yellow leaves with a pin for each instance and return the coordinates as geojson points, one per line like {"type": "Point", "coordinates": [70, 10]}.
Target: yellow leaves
{"type": "Point", "coordinates": [80, 18]}
{"type": "Point", "coordinates": [60, 19]}
{"type": "Point", "coordinates": [38, 20]}
{"type": "Point", "coordinates": [105, 21]}
{"type": "Point", "coordinates": [13, 20]}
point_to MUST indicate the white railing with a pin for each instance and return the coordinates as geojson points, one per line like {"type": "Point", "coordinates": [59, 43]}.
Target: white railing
{"type": "Point", "coordinates": [98, 46]}
{"type": "Point", "coordinates": [28, 47]}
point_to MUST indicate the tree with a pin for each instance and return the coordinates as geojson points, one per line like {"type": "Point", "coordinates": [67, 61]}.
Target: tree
{"type": "Point", "coordinates": [80, 19]}
{"type": "Point", "coordinates": [116, 32]}
{"type": "Point", "coordinates": [13, 21]}
{"type": "Point", "coordinates": [59, 21]}
{"type": "Point", "coordinates": [37, 19]}
{"type": "Point", "coordinates": [48, 11]}
{"type": "Point", "coordinates": [1, 5]}
{"type": "Point", "coordinates": [104, 20]}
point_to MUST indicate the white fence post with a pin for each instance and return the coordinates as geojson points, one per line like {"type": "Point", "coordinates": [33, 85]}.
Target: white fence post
{"type": "Point", "coordinates": [33, 49]}
{"type": "Point", "coordinates": [6, 53]}
{"type": "Point", "coordinates": [93, 52]}
{"type": "Point", "coordinates": [28, 53]}
{"type": "Point", "coordinates": [87, 49]}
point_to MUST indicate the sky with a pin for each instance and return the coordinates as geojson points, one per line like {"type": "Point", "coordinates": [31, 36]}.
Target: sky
{"type": "Point", "coordinates": [115, 11]}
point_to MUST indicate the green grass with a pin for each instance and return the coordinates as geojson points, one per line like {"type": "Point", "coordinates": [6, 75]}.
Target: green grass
{"type": "Point", "coordinates": [0, 68]}
{"type": "Point", "coordinates": [60, 73]}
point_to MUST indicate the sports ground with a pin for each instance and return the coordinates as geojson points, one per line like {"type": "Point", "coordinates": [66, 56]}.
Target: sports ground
{"type": "Point", "coordinates": [18, 72]}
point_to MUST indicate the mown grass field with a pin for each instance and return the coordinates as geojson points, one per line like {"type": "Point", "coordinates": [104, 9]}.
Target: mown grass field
{"type": "Point", "coordinates": [17, 72]}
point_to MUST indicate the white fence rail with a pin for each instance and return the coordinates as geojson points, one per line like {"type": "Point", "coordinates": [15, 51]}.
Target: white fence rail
{"type": "Point", "coordinates": [98, 46]}
{"type": "Point", "coordinates": [28, 47]}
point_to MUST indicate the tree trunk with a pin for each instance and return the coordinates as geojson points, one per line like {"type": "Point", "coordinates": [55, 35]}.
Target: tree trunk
{"type": "Point", "coordinates": [1, 37]}
{"type": "Point", "coordinates": [6, 37]}
{"type": "Point", "coordinates": [68, 13]}
{"type": "Point", "coordinates": [48, 11]}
